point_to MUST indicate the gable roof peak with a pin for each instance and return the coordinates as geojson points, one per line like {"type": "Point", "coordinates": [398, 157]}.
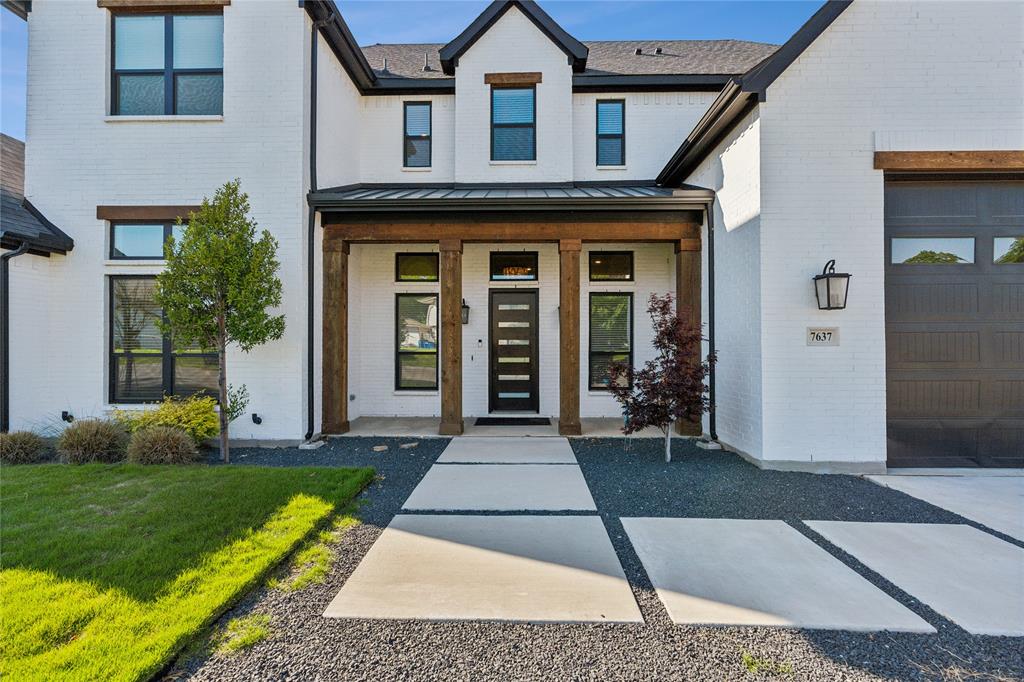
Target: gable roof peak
{"type": "Point", "coordinates": [574, 49]}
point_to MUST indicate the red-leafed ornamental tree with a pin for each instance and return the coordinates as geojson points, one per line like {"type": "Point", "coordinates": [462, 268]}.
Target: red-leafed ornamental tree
{"type": "Point", "coordinates": [672, 385]}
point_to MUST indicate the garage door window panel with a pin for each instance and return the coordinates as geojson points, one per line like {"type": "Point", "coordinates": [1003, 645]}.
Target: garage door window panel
{"type": "Point", "coordinates": [1008, 250]}
{"type": "Point", "coordinates": [932, 250]}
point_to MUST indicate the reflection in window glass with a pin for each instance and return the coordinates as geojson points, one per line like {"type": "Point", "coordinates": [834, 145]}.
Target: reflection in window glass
{"type": "Point", "coordinates": [611, 335]}
{"type": "Point", "coordinates": [137, 241]}
{"type": "Point", "coordinates": [511, 266]}
{"type": "Point", "coordinates": [933, 250]}
{"type": "Point", "coordinates": [1008, 250]}
{"type": "Point", "coordinates": [416, 362]}
{"type": "Point", "coordinates": [606, 266]}
{"type": "Point", "coordinates": [416, 267]}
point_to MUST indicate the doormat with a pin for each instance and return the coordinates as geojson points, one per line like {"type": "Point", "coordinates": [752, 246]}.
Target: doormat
{"type": "Point", "coordinates": [513, 421]}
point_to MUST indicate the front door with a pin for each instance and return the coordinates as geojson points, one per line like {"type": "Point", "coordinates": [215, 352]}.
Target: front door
{"type": "Point", "coordinates": [513, 376]}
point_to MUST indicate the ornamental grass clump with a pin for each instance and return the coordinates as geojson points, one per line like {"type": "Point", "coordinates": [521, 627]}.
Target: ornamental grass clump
{"type": "Point", "coordinates": [22, 447]}
{"type": "Point", "coordinates": [162, 445]}
{"type": "Point", "coordinates": [196, 416]}
{"type": "Point", "coordinates": [93, 440]}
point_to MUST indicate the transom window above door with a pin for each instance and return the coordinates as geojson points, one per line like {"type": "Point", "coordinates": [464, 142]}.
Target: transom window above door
{"type": "Point", "coordinates": [167, 64]}
{"type": "Point", "coordinates": [513, 266]}
{"type": "Point", "coordinates": [416, 267]}
{"type": "Point", "coordinates": [513, 124]}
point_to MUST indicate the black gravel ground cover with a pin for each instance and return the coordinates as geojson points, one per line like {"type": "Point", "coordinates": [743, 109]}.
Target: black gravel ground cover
{"type": "Point", "coordinates": [626, 479]}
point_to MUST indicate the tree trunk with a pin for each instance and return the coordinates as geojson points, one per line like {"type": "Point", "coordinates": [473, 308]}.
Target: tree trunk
{"type": "Point", "coordinates": [668, 442]}
{"type": "Point", "coordinates": [222, 387]}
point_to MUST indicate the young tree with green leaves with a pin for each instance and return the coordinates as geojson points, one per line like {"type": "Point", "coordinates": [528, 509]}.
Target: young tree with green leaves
{"type": "Point", "coordinates": [220, 281]}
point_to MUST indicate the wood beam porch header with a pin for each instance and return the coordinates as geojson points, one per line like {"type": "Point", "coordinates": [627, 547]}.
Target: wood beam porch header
{"type": "Point", "coordinates": [512, 232]}
{"type": "Point", "coordinates": [946, 162]}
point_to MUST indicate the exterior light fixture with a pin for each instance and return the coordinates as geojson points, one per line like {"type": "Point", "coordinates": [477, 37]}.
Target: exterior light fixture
{"type": "Point", "coordinates": [256, 419]}
{"type": "Point", "coordinates": [465, 312]}
{"type": "Point", "coordinates": [67, 416]}
{"type": "Point", "coordinates": [831, 287]}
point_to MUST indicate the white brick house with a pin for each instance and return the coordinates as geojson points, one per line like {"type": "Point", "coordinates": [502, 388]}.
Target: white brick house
{"type": "Point", "coordinates": [530, 179]}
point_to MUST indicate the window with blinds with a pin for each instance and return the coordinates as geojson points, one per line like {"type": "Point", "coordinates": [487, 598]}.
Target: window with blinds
{"type": "Point", "coordinates": [166, 64]}
{"type": "Point", "coordinates": [611, 132]}
{"type": "Point", "coordinates": [416, 342]}
{"type": "Point", "coordinates": [145, 365]}
{"type": "Point", "coordinates": [611, 335]}
{"type": "Point", "coordinates": [513, 124]}
{"type": "Point", "coordinates": [417, 140]}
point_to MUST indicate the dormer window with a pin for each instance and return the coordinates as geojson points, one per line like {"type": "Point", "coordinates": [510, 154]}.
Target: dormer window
{"type": "Point", "coordinates": [513, 124]}
{"type": "Point", "coordinates": [167, 64]}
{"type": "Point", "coordinates": [611, 132]}
{"type": "Point", "coordinates": [417, 135]}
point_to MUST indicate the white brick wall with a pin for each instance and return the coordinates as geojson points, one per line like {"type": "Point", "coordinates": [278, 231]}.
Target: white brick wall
{"type": "Point", "coordinates": [733, 171]}
{"type": "Point", "coordinates": [76, 159]}
{"type": "Point", "coordinates": [656, 123]}
{"type": "Point", "coordinates": [380, 149]}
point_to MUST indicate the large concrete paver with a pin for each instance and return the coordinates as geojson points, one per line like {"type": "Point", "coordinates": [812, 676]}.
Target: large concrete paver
{"type": "Point", "coordinates": [969, 576]}
{"type": "Point", "coordinates": [502, 487]}
{"type": "Point", "coordinates": [993, 501]}
{"type": "Point", "coordinates": [508, 450]}
{"type": "Point", "coordinates": [529, 568]}
{"type": "Point", "coordinates": [746, 572]}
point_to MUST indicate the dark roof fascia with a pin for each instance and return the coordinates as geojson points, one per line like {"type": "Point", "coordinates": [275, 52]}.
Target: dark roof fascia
{"type": "Point", "coordinates": [575, 50]}
{"type": "Point", "coordinates": [741, 94]}
{"type": "Point", "coordinates": [661, 83]}
{"type": "Point", "coordinates": [19, 7]}
{"type": "Point", "coordinates": [54, 240]}
{"type": "Point", "coordinates": [341, 42]}
{"type": "Point", "coordinates": [487, 185]}
{"type": "Point", "coordinates": [412, 86]}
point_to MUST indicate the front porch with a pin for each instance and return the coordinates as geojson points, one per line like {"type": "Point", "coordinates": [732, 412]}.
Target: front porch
{"type": "Point", "coordinates": [438, 351]}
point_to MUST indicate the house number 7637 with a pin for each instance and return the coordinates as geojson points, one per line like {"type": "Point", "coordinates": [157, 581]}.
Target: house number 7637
{"type": "Point", "coordinates": [822, 336]}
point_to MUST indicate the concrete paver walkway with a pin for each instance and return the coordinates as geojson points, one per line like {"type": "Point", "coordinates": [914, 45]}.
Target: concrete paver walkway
{"type": "Point", "coordinates": [993, 501]}
{"type": "Point", "coordinates": [511, 450]}
{"type": "Point", "coordinates": [502, 487]}
{"type": "Point", "coordinates": [451, 567]}
{"type": "Point", "coordinates": [969, 576]}
{"type": "Point", "coordinates": [747, 572]}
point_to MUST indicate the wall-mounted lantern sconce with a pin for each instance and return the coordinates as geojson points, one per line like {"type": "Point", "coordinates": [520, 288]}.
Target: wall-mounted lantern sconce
{"type": "Point", "coordinates": [465, 312]}
{"type": "Point", "coordinates": [831, 287]}
{"type": "Point", "coordinates": [67, 416]}
{"type": "Point", "coordinates": [256, 419]}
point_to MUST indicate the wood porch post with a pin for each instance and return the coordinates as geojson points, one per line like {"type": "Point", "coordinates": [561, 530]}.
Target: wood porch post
{"type": "Point", "coordinates": [335, 338]}
{"type": "Point", "coordinates": [569, 341]}
{"type": "Point", "coordinates": [688, 301]}
{"type": "Point", "coordinates": [451, 337]}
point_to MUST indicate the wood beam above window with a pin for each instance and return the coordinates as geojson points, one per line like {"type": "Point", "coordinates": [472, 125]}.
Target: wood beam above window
{"type": "Point", "coordinates": [144, 212]}
{"type": "Point", "coordinates": [1011, 160]}
{"type": "Point", "coordinates": [513, 78]}
{"type": "Point", "coordinates": [161, 5]}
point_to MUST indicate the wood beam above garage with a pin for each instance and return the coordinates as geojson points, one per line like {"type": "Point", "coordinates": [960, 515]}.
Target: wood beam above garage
{"type": "Point", "coordinates": [950, 162]}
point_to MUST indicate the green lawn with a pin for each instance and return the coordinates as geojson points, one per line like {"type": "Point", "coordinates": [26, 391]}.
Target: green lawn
{"type": "Point", "coordinates": [109, 570]}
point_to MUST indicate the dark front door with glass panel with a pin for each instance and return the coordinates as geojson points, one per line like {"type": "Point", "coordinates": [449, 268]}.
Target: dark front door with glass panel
{"type": "Point", "coordinates": [514, 351]}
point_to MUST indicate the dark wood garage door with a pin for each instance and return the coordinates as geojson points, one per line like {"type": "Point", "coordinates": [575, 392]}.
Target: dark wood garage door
{"type": "Point", "coordinates": [954, 306]}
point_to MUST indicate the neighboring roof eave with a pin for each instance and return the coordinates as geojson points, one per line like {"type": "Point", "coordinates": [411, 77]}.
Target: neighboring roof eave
{"type": "Point", "coordinates": [574, 49]}
{"type": "Point", "coordinates": [49, 240]}
{"type": "Point", "coordinates": [19, 7]}
{"type": "Point", "coordinates": [341, 42]}
{"type": "Point", "coordinates": [743, 93]}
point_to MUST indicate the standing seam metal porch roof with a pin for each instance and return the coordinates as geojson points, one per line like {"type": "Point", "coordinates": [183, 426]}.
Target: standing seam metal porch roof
{"type": "Point", "coordinates": [507, 197]}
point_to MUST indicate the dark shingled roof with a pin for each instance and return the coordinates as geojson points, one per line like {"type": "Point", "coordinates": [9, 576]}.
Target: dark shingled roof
{"type": "Point", "coordinates": [607, 57]}
{"type": "Point", "coordinates": [20, 221]}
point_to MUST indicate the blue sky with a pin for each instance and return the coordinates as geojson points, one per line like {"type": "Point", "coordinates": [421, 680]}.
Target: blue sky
{"type": "Point", "coordinates": [436, 21]}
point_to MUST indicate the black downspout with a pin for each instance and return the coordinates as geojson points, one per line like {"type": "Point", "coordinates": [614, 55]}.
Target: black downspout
{"type": "Point", "coordinates": [5, 331]}
{"type": "Point", "coordinates": [713, 431]}
{"type": "Point", "coordinates": [311, 237]}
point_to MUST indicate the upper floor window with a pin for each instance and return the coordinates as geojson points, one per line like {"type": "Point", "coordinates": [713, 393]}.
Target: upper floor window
{"type": "Point", "coordinates": [611, 132]}
{"type": "Point", "coordinates": [513, 124]}
{"type": "Point", "coordinates": [417, 135]}
{"type": "Point", "coordinates": [168, 64]}
{"type": "Point", "coordinates": [141, 241]}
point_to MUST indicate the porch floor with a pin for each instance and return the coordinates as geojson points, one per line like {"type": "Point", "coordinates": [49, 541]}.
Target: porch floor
{"type": "Point", "coordinates": [426, 427]}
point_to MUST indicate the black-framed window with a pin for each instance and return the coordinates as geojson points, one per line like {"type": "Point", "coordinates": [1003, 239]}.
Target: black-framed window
{"type": "Point", "coordinates": [611, 335]}
{"type": "Point", "coordinates": [611, 132]}
{"type": "Point", "coordinates": [417, 138]}
{"type": "Point", "coordinates": [142, 241]}
{"type": "Point", "coordinates": [144, 364]}
{"type": "Point", "coordinates": [416, 342]}
{"type": "Point", "coordinates": [611, 266]}
{"type": "Point", "coordinates": [167, 64]}
{"type": "Point", "coordinates": [513, 123]}
{"type": "Point", "coordinates": [416, 267]}
{"type": "Point", "coordinates": [513, 266]}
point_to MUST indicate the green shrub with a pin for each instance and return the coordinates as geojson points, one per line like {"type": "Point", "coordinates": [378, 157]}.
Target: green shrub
{"type": "Point", "coordinates": [93, 440]}
{"type": "Point", "coordinates": [21, 447]}
{"type": "Point", "coordinates": [162, 445]}
{"type": "Point", "coordinates": [196, 416]}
